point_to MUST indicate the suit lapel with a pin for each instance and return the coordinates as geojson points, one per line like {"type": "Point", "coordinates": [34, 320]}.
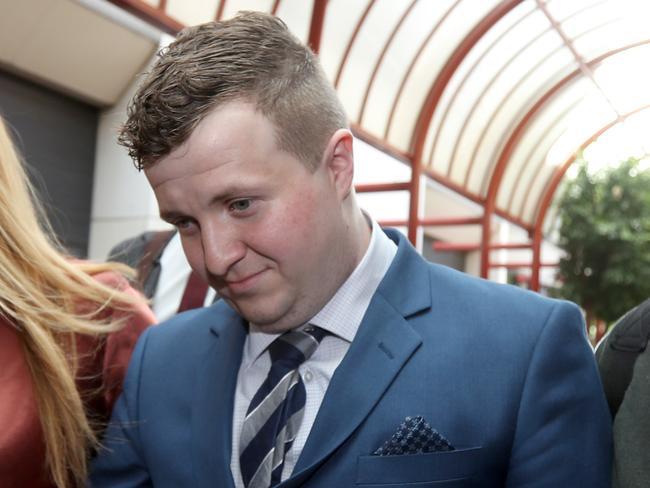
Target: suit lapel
{"type": "Point", "coordinates": [212, 401]}
{"type": "Point", "coordinates": [383, 345]}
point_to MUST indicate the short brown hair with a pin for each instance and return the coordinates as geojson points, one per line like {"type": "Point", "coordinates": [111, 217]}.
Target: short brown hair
{"type": "Point", "coordinates": [251, 57]}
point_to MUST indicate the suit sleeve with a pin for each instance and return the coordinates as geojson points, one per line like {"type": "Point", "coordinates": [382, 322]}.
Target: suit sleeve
{"type": "Point", "coordinates": [120, 462]}
{"type": "Point", "coordinates": [563, 434]}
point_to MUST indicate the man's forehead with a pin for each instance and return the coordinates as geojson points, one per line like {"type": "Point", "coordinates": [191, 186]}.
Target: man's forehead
{"type": "Point", "coordinates": [165, 169]}
{"type": "Point", "coordinates": [188, 161]}
{"type": "Point", "coordinates": [218, 138]}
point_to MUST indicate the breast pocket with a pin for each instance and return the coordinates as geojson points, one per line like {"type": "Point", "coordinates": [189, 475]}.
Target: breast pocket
{"type": "Point", "coordinates": [449, 469]}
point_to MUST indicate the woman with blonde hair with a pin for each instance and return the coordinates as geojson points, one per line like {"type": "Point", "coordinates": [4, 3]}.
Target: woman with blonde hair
{"type": "Point", "coordinates": [67, 329]}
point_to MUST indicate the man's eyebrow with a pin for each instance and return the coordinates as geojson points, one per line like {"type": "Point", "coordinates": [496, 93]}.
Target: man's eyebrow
{"type": "Point", "coordinates": [234, 191]}
{"type": "Point", "coordinates": [170, 215]}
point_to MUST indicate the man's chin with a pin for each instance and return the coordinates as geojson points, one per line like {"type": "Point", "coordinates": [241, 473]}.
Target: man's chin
{"type": "Point", "coordinates": [270, 314]}
{"type": "Point", "coordinates": [275, 328]}
{"type": "Point", "coordinates": [270, 323]}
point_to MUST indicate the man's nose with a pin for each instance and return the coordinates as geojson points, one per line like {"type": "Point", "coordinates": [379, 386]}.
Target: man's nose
{"type": "Point", "coordinates": [222, 248]}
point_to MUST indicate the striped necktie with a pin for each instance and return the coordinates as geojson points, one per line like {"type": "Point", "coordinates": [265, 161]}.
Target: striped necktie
{"type": "Point", "coordinates": [275, 412]}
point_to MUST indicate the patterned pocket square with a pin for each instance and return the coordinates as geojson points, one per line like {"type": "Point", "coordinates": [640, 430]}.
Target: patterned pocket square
{"type": "Point", "coordinates": [414, 436]}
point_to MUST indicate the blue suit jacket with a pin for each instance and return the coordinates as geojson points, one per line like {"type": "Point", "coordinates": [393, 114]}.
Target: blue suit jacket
{"type": "Point", "coordinates": [506, 375]}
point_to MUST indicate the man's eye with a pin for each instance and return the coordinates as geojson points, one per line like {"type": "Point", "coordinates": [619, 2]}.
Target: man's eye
{"type": "Point", "coordinates": [240, 205]}
{"type": "Point", "coordinates": [183, 224]}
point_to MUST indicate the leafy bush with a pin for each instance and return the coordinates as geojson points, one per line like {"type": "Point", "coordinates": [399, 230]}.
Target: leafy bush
{"type": "Point", "coordinates": [605, 232]}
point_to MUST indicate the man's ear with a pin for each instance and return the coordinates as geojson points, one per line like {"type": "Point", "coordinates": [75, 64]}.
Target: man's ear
{"type": "Point", "coordinates": [339, 161]}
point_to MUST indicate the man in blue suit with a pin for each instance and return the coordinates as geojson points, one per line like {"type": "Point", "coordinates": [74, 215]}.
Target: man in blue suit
{"type": "Point", "coordinates": [338, 357]}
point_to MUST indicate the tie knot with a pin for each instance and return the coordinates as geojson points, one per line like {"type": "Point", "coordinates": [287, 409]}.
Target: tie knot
{"type": "Point", "coordinates": [296, 346]}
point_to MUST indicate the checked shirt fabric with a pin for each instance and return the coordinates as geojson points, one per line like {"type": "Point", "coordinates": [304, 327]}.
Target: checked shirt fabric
{"type": "Point", "coordinates": [275, 412]}
{"type": "Point", "coordinates": [414, 436]}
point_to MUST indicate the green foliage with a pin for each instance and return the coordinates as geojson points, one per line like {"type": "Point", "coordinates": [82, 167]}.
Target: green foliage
{"type": "Point", "coordinates": [605, 232]}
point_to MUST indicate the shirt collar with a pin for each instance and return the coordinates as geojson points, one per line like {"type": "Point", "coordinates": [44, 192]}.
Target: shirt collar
{"type": "Point", "coordinates": [342, 315]}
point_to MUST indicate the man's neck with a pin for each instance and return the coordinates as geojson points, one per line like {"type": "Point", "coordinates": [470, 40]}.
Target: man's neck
{"type": "Point", "coordinates": [361, 231]}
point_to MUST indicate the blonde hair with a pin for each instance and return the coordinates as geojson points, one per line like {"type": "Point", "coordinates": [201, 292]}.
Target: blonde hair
{"type": "Point", "coordinates": [41, 292]}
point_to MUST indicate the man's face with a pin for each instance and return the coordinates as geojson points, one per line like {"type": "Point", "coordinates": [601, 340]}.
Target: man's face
{"type": "Point", "coordinates": [264, 231]}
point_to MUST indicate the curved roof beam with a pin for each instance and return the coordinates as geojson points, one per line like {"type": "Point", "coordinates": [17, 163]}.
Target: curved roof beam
{"type": "Point", "coordinates": [414, 61]}
{"type": "Point", "coordinates": [450, 67]}
{"type": "Point", "coordinates": [517, 134]}
{"type": "Point", "coordinates": [456, 188]}
{"type": "Point", "coordinates": [382, 55]}
{"type": "Point", "coordinates": [586, 70]}
{"type": "Point", "coordinates": [487, 87]}
{"type": "Point", "coordinates": [539, 164]}
{"type": "Point", "coordinates": [456, 93]}
{"type": "Point", "coordinates": [220, 9]}
{"type": "Point", "coordinates": [560, 171]}
{"type": "Point", "coordinates": [317, 21]}
{"type": "Point", "coordinates": [153, 15]}
{"type": "Point", "coordinates": [353, 38]}
{"type": "Point", "coordinates": [515, 138]}
{"type": "Point", "coordinates": [433, 97]}
{"type": "Point", "coordinates": [552, 187]}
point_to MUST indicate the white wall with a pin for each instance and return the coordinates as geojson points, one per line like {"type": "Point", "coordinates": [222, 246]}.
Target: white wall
{"type": "Point", "coordinates": [123, 203]}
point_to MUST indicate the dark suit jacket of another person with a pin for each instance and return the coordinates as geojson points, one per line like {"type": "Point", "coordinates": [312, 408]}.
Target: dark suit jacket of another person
{"type": "Point", "coordinates": [506, 375]}
{"type": "Point", "coordinates": [631, 468]}
{"type": "Point", "coordinates": [143, 253]}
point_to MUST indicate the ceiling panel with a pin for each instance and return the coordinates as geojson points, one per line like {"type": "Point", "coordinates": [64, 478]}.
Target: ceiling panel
{"type": "Point", "coordinates": [72, 48]}
{"type": "Point", "coordinates": [341, 21]}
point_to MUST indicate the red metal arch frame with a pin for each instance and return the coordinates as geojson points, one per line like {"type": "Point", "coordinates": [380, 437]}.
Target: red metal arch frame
{"type": "Point", "coordinates": [455, 95]}
{"type": "Point", "coordinates": [316, 26]}
{"type": "Point", "coordinates": [219, 13]}
{"type": "Point", "coordinates": [494, 115]}
{"type": "Point", "coordinates": [551, 190]}
{"type": "Point", "coordinates": [159, 18]}
{"type": "Point", "coordinates": [412, 64]}
{"type": "Point", "coordinates": [382, 55]}
{"type": "Point", "coordinates": [433, 98]}
{"type": "Point", "coordinates": [153, 15]}
{"type": "Point", "coordinates": [529, 157]}
{"type": "Point", "coordinates": [515, 138]}
{"type": "Point", "coordinates": [353, 38]}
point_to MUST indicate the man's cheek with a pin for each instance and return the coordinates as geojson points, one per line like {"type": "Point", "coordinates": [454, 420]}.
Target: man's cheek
{"type": "Point", "coordinates": [196, 260]}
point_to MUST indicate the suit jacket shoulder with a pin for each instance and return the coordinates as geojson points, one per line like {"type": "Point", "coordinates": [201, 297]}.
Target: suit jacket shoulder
{"type": "Point", "coordinates": [624, 363]}
{"type": "Point", "coordinates": [474, 309]}
{"type": "Point", "coordinates": [181, 334]}
{"type": "Point", "coordinates": [505, 375]}
{"type": "Point", "coordinates": [494, 307]}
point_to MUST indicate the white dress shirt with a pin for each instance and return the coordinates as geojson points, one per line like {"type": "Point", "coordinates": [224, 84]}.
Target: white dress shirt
{"type": "Point", "coordinates": [341, 317]}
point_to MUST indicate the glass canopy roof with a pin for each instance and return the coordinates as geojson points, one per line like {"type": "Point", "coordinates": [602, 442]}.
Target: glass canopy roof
{"type": "Point", "coordinates": [493, 99]}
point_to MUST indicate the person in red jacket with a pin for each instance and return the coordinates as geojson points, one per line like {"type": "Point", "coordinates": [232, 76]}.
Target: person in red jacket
{"type": "Point", "coordinates": [67, 329]}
